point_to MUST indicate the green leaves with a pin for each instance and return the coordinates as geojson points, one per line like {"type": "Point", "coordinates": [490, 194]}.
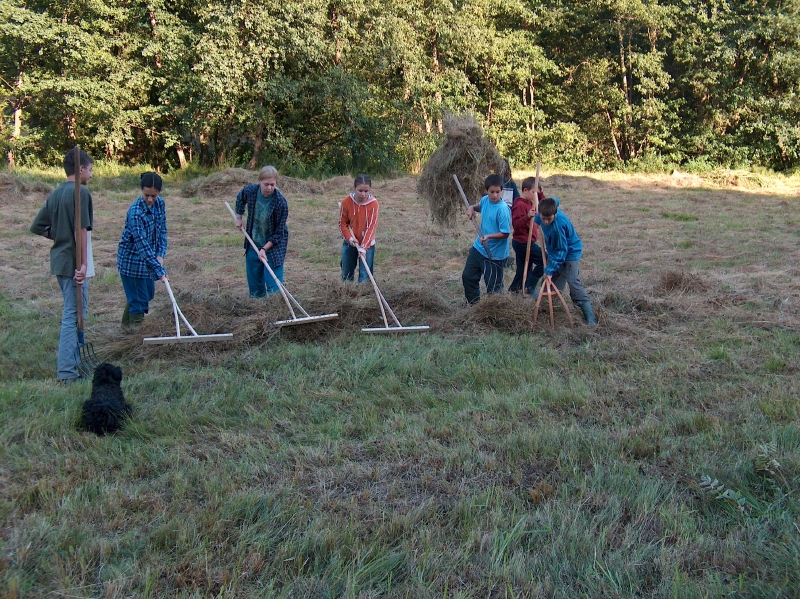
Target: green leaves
{"type": "Point", "coordinates": [331, 86]}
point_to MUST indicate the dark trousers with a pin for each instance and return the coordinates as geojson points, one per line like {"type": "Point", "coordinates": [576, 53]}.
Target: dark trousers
{"type": "Point", "coordinates": [478, 266]}
{"type": "Point", "coordinates": [570, 274]}
{"type": "Point", "coordinates": [535, 266]}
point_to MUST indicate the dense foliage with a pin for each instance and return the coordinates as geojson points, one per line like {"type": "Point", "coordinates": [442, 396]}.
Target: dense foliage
{"type": "Point", "coordinates": [327, 85]}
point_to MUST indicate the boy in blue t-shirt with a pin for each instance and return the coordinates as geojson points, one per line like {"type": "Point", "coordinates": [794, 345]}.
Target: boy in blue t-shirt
{"type": "Point", "coordinates": [488, 254]}
{"type": "Point", "coordinates": [564, 250]}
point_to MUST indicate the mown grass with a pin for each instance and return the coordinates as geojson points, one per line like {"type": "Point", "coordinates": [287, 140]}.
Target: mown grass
{"type": "Point", "coordinates": [551, 464]}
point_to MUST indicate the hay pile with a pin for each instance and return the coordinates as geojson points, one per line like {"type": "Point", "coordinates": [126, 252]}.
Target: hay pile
{"type": "Point", "coordinates": [227, 182]}
{"type": "Point", "coordinates": [231, 180]}
{"type": "Point", "coordinates": [13, 188]}
{"type": "Point", "coordinates": [468, 154]}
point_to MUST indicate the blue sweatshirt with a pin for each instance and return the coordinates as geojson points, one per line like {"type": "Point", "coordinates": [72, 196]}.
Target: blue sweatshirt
{"type": "Point", "coordinates": [563, 243]}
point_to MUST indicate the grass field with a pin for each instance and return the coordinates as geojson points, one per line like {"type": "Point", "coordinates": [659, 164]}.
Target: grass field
{"type": "Point", "coordinates": [657, 455]}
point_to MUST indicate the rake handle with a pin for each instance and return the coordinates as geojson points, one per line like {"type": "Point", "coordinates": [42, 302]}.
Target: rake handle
{"type": "Point", "coordinates": [381, 300]}
{"type": "Point", "coordinates": [474, 222]}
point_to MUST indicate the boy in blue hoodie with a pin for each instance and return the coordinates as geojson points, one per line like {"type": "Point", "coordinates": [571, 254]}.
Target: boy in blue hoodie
{"type": "Point", "coordinates": [564, 250]}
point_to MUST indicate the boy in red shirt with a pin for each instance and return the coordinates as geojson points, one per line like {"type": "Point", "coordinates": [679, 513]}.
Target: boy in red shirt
{"type": "Point", "coordinates": [522, 212]}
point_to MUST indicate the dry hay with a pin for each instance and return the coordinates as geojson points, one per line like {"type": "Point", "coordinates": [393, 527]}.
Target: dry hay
{"type": "Point", "coordinates": [226, 182]}
{"type": "Point", "coordinates": [679, 179]}
{"type": "Point", "coordinates": [504, 312]}
{"type": "Point", "coordinates": [340, 184]}
{"type": "Point", "coordinates": [13, 188]}
{"type": "Point", "coordinates": [466, 153]}
{"type": "Point", "coordinates": [679, 280]}
{"type": "Point", "coordinates": [252, 320]}
{"type": "Point", "coordinates": [291, 186]}
{"type": "Point", "coordinates": [630, 304]}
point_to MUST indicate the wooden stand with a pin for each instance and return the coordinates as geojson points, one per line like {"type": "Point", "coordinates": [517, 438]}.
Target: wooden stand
{"type": "Point", "coordinates": [178, 338]}
{"type": "Point", "coordinates": [287, 297]}
{"type": "Point", "coordinates": [384, 305]}
{"type": "Point", "coordinates": [549, 290]}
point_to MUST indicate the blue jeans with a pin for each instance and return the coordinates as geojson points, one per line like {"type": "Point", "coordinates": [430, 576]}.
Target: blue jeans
{"type": "Point", "coordinates": [259, 280]}
{"type": "Point", "coordinates": [139, 293]}
{"type": "Point", "coordinates": [68, 340]}
{"type": "Point", "coordinates": [349, 260]}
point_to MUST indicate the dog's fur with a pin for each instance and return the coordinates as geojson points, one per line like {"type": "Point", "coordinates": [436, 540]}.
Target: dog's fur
{"type": "Point", "coordinates": [106, 410]}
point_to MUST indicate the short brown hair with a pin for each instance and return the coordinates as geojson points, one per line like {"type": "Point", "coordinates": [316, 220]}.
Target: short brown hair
{"type": "Point", "coordinates": [69, 161]}
{"type": "Point", "coordinates": [548, 207]}
{"type": "Point", "coordinates": [529, 183]}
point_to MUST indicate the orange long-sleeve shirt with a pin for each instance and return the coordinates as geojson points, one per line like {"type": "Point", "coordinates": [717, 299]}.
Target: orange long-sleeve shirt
{"type": "Point", "coordinates": [359, 220]}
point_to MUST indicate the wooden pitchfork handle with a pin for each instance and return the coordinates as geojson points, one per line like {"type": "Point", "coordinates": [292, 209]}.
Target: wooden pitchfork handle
{"type": "Point", "coordinates": [530, 228]}
{"type": "Point", "coordinates": [474, 222]}
{"type": "Point", "coordinates": [78, 238]}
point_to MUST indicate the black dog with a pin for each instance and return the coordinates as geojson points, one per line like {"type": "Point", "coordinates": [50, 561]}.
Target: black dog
{"type": "Point", "coordinates": [106, 410]}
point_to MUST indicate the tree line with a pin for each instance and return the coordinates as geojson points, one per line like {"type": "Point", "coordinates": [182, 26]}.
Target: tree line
{"type": "Point", "coordinates": [324, 86]}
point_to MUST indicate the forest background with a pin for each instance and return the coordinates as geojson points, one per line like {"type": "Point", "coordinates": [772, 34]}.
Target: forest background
{"type": "Point", "coordinates": [323, 87]}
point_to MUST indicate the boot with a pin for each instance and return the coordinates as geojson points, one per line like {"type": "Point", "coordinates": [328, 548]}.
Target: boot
{"type": "Point", "coordinates": [588, 313]}
{"type": "Point", "coordinates": [126, 315]}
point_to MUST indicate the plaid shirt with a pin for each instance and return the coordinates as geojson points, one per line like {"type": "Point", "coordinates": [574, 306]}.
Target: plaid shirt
{"type": "Point", "coordinates": [280, 212]}
{"type": "Point", "coordinates": [144, 238]}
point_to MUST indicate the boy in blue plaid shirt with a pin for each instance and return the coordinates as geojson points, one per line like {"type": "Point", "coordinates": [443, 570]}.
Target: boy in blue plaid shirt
{"type": "Point", "coordinates": [141, 251]}
{"type": "Point", "coordinates": [267, 211]}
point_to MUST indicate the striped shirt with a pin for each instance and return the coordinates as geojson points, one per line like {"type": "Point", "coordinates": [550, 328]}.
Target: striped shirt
{"type": "Point", "coordinates": [144, 240]}
{"type": "Point", "coordinates": [278, 232]}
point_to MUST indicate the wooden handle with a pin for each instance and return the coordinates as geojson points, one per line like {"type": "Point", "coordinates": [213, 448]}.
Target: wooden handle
{"type": "Point", "coordinates": [474, 222]}
{"type": "Point", "coordinates": [78, 237]}
{"type": "Point", "coordinates": [530, 228]}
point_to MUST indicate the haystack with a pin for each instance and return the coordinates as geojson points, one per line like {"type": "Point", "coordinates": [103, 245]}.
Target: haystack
{"type": "Point", "coordinates": [13, 188]}
{"type": "Point", "coordinates": [223, 183]}
{"type": "Point", "coordinates": [465, 152]}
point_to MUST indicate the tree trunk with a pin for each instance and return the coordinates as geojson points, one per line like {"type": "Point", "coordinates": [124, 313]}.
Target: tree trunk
{"type": "Point", "coordinates": [17, 131]}
{"type": "Point", "coordinates": [181, 156]}
{"type": "Point", "coordinates": [251, 164]}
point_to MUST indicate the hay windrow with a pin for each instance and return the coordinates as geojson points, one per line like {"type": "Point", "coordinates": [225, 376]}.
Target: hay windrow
{"type": "Point", "coordinates": [465, 152]}
{"type": "Point", "coordinates": [504, 312]}
{"type": "Point", "coordinates": [228, 183]}
{"type": "Point", "coordinates": [674, 280]}
{"type": "Point", "coordinates": [14, 188]}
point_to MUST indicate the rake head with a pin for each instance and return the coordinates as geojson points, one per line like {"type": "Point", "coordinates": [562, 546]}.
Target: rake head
{"type": "Point", "coordinates": [86, 359]}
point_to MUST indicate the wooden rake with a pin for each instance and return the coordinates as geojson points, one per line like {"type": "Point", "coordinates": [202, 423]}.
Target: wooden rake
{"type": "Point", "coordinates": [549, 289]}
{"type": "Point", "coordinates": [287, 297]}
{"type": "Point", "coordinates": [384, 306]}
{"type": "Point", "coordinates": [178, 338]}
